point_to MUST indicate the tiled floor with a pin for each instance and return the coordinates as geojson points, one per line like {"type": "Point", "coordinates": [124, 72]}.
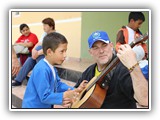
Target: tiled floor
{"type": "Point", "coordinates": [19, 91]}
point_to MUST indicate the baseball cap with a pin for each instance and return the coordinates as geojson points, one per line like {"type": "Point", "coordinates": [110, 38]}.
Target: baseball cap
{"type": "Point", "coordinates": [98, 36]}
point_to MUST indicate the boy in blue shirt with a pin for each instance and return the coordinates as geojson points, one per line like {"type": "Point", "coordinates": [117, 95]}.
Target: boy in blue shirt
{"type": "Point", "coordinates": [44, 88]}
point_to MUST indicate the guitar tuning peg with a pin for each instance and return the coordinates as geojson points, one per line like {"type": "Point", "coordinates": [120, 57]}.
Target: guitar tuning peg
{"type": "Point", "coordinates": [146, 34]}
{"type": "Point", "coordinates": [141, 37]}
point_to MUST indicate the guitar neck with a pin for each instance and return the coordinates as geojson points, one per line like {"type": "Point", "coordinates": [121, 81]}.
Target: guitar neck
{"type": "Point", "coordinates": [109, 67]}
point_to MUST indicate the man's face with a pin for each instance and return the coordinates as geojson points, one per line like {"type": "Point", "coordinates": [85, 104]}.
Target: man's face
{"type": "Point", "coordinates": [101, 52]}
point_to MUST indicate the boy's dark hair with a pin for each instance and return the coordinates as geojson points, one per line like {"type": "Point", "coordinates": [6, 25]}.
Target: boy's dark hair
{"type": "Point", "coordinates": [22, 26]}
{"type": "Point", "coordinates": [136, 16]}
{"type": "Point", "coordinates": [52, 41]}
{"type": "Point", "coordinates": [50, 22]}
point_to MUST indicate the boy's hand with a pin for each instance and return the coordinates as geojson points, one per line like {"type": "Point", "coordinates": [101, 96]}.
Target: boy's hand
{"type": "Point", "coordinates": [67, 102]}
{"type": "Point", "coordinates": [71, 94]}
{"type": "Point", "coordinates": [81, 86]}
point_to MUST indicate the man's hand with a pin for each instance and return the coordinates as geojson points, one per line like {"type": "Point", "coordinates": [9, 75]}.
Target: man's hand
{"type": "Point", "coordinates": [126, 55]}
{"type": "Point", "coordinates": [15, 63]}
{"type": "Point", "coordinates": [15, 67]}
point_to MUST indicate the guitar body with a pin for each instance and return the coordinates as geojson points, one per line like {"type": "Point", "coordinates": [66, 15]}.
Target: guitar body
{"type": "Point", "coordinates": [93, 98]}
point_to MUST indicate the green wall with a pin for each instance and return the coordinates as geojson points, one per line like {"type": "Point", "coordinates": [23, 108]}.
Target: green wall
{"type": "Point", "coordinates": [108, 21]}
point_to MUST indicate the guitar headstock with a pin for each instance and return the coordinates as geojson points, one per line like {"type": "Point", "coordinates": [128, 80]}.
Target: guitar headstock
{"type": "Point", "coordinates": [140, 39]}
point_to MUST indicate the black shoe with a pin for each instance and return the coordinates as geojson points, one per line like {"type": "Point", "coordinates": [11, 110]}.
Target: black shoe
{"type": "Point", "coordinates": [13, 77]}
{"type": "Point", "coordinates": [16, 83]}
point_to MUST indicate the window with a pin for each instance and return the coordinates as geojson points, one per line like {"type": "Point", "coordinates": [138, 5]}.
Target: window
{"type": "Point", "coordinates": [16, 14]}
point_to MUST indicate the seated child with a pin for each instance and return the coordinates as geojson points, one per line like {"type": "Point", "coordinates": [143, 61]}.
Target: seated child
{"type": "Point", "coordinates": [44, 88]}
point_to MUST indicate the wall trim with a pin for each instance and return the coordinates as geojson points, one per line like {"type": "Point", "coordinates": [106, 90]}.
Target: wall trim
{"type": "Point", "coordinates": [56, 22]}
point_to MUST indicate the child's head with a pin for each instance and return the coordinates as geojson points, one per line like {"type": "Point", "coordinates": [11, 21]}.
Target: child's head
{"type": "Point", "coordinates": [136, 19]}
{"type": "Point", "coordinates": [55, 47]}
{"type": "Point", "coordinates": [136, 16]}
{"type": "Point", "coordinates": [24, 29]}
{"type": "Point", "coordinates": [48, 24]}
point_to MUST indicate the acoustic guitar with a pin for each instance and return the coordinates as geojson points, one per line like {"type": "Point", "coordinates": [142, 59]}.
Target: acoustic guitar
{"type": "Point", "coordinates": [94, 94]}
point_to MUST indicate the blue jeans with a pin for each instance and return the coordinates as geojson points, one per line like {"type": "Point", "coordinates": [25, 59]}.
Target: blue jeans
{"type": "Point", "coordinates": [28, 66]}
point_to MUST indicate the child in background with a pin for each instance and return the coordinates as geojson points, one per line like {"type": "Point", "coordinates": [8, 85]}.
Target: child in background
{"type": "Point", "coordinates": [131, 31]}
{"type": "Point", "coordinates": [37, 53]}
{"type": "Point", "coordinates": [44, 88]}
{"type": "Point", "coordinates": [27, 39]}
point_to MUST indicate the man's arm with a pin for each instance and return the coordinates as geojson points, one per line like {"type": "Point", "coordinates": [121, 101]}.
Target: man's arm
{"type": "Point", "coordinates": [140, 84]}
{"type": "Point", "coordinates": [36, 53]}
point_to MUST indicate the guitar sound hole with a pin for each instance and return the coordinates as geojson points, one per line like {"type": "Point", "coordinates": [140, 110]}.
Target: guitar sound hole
{"type": "Point", "coordinates": [83, 94]}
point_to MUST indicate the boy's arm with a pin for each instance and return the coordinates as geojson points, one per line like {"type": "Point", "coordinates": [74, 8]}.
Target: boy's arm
{"type": "Point", "coordinates": [32, 40]}
{"type": "Point", "coordinates": [44, 89]}
{"type": "Point", "coordinates": [120, 39]}
{"type": "Point", "coordinates": [61, 86]}
{"type": "Point", "coordinates": [29, 44]}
